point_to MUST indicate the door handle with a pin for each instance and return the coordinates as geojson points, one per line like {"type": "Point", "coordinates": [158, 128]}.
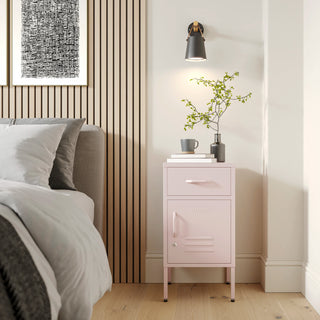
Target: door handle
{"type": "Point", "coordinates": [195, 181]}
{"type": "Point", "coordinates": [174, 215]}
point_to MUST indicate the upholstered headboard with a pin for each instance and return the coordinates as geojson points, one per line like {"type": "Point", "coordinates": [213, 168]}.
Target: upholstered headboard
{"type": "Point", "coordinates": [89, 169]}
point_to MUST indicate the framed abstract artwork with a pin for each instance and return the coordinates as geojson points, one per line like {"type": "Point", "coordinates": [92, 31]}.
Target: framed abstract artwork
{"type": "Point", "coordinates": [3, 43]}
{"type": "Point", "coordinates": [49, 42]}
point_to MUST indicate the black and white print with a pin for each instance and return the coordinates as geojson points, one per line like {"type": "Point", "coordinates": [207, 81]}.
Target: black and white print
{"type": "Point", "coordinates": [50, 42]}
{"type": "Point", "coordinates": [50, 38]}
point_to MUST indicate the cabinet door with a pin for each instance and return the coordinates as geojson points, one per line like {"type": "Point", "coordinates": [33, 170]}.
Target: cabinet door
{"type": "Point", "coordinates": [199, 231]}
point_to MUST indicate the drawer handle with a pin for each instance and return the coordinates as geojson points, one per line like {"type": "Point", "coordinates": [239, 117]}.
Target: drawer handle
{"type": "Point", "coordinates": [174, 224]}
{"type": "Point", "coordinates": [196, 181]}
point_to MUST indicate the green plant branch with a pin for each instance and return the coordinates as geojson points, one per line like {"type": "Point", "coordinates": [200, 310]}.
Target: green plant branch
{"type": "Point", "coordinates": [221, 101]}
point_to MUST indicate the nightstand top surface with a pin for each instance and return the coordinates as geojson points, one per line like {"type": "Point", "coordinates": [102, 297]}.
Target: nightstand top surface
{"type": "Point", "coordinates": [197, 165]}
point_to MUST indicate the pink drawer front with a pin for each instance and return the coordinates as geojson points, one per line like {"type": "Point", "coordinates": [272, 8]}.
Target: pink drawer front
{"type": "Point", "coordinates": [199, 231]}
{"type": "Point", "coordinates": [199, 181]}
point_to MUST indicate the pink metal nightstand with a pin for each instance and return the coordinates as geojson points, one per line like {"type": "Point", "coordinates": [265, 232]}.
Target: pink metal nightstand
{"type": "Point", "coordinates": [199, 218]}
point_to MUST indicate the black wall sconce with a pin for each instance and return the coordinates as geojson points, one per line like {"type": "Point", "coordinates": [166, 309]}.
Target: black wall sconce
{"type": "Point", "coordinates": [195, 43]}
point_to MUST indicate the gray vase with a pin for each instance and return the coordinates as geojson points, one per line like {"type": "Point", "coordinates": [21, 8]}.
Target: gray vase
{"type": "Point", "coordinates": [218, 148]}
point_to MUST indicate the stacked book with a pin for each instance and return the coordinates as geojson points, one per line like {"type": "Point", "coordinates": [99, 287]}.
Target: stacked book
{"type": "Point", "coordinates": [192, 157]}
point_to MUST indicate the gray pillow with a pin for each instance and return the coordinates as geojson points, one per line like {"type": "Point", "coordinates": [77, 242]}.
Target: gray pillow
{"type": "Point", "coordinates": [27, 152]}
{"type": "Point", "coordinates": [6, 121]}
{"type": "Point", "coordinates": [62, 172]}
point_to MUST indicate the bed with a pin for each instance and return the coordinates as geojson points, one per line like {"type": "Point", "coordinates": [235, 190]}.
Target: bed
{"type": "Point", "coordinates": [53, 263]}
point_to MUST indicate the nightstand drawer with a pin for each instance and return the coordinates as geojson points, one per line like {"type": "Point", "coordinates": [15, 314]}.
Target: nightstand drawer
{"type": "Point", "coordinates": [199, 181]}
{"type": "Point", "coordinates": [199, 231]}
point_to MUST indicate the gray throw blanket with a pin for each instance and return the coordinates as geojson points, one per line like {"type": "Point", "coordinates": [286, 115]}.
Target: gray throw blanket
{"type": "Point", "coordinates": [23, 294]}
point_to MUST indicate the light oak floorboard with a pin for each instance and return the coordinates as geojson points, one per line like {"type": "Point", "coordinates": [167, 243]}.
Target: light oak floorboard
{"type": "Point", "coordinates": [200, 302]}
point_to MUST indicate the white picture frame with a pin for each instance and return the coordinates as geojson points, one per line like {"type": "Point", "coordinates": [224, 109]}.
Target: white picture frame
{"type": "Point", "coordinates": [3, 43]}
{"type": "Point", "coordinates": [42, 73]}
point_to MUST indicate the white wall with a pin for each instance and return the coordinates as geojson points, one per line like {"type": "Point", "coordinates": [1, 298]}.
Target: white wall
{"type": "Point", "coordinates": [233, 32]}
{"type": "Point", "coordinates": [283, 205]}
{"type": "Point", "coordinates": [311, 277]}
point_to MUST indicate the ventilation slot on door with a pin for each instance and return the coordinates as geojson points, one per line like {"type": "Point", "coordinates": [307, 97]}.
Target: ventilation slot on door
{"type": "Point", "coordinates": [198, 244]}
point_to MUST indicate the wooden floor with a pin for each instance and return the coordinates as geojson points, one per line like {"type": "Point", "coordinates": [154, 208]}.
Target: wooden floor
{"type": "Point", "coordinates": [200, 301]}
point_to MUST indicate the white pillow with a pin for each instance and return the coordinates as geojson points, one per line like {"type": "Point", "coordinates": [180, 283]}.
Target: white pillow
{"type": "Point", "coordinates": [27, 152]}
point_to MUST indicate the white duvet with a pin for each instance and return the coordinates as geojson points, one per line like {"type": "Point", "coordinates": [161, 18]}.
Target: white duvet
{"type": "Point", "coordinates": [68, 240]}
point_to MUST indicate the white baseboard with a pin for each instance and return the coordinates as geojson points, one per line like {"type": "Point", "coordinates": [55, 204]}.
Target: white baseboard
{"type": "Point", "coordinates": [281, 275]}
{"type": "Point", "coordinates": [247, 271]}
{"type": "Point", "coordinates": [311, 288]}
{"type": "Point", "coordinates": [274, 275]}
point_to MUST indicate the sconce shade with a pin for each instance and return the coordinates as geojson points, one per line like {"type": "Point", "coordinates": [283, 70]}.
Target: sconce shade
{"type": "Point", "coordinates": [195, 45]}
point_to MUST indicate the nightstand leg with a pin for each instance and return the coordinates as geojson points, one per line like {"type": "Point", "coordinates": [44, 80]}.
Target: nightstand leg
{"type": "Point", "coordinates": [228, 275]}
{"type": "Point", "coordinates": [169, 275]}
{"type": "Point", "coordinates": [233, 284]}
{"type": "Point", "coordinates": [165, 284]}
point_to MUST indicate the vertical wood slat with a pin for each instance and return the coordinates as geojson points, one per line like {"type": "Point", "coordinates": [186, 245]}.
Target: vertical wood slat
{"type": "Point", "coordinates": [25, 102]}
{"type": "Point", "coordinates": [110, 177]}
{"type": "Point", "coordinates": [123, 140]}
{"type": "Point", "coordinates": [104, 94]}
{"type": "Point", "coordinates": [130, 141]}
{"type": "Point", "coordinates": [38, 102]}
{"type": "Point", "coordinates": [57, 102]}
{"type": "Point", "coordinates": [5, 99]}
{"type": "Point", "coordinates": [44, 102]}
{"type": "Point", "coordinates": [12, 110]}
{"type": "Point", "coordinates": [11, 102]}
{"type": "Point", "coordinates": [77, 102]}
{"type": "Point", "coordinates": [143, 164]}
{"type": "Point", "coordinates": [84, 102]}
{"type": "Point", "coordinates": [90, 88]}
{"type": "Point", "coordinates": [52, 99]}
{"type": "Point", "coordinates": [32, 109]}
{"type": "Point", "coordinates": [114, 99]}
{"type": "Point", "coordinates": [136, 146]}
{"type": "Point", "coordinates": [64, 102]}
{"type": "Point", "coordinates": [97, 63]}
{"type": "Point", "coordinates": [71, 106]}
{"type": "Point", "coordinates": [18, 102]}
{"type": "Point", "coordinates": [116, 132]}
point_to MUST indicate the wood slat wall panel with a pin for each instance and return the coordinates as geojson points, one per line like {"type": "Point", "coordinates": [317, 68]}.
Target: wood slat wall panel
{"type": "Point", "coordinates": [113, 100]}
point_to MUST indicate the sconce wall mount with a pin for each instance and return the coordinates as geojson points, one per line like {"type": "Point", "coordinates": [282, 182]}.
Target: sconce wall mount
{"type": "Point", "coordinates": [195, 43]}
